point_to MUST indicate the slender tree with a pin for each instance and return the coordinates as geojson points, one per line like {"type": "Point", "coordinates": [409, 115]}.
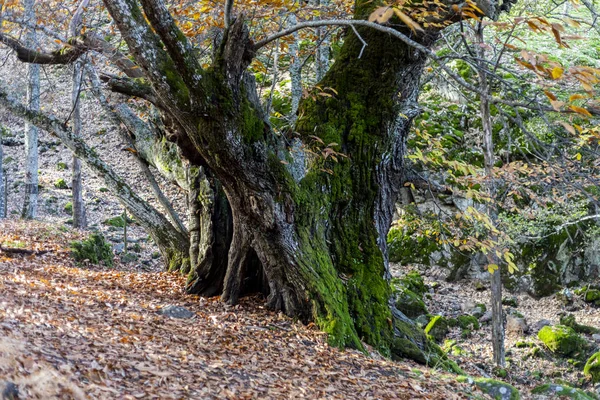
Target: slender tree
{"type": "Point", "coordinates": [30, 199]}
{"type": "Point", "coordinates": [79, 219]}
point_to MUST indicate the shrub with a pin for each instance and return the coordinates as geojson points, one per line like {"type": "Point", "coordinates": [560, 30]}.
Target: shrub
{"type": "Point", "coordinates": [60, 184]}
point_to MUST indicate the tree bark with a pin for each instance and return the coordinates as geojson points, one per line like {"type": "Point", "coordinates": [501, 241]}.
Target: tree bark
{"type": "Point", "coordinates": [30, 199]}
{"type": "Point", "coordinates": [489, 160]}
{"type": "Point", "coordinates": [2, 188]}
{"type": "Point", "coordinates": [79, 218]}
{"type": "Point", "coordinates": [211, 226]}
{"type": "Point", "coordinates": [308, 226]}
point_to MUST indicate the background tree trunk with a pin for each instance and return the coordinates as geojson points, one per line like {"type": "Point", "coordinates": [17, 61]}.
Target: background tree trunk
{"type": "Point", "coordinates": [2, 188]}
{"type": "Point", "coordinates": [30, 199]}
{"type": "Point", "coordinates": [489, 160]}
{"type": "Point", "coordinates": [79, 219]}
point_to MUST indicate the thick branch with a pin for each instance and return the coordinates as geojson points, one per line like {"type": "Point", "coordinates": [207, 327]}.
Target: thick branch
{"type": "Point", "coordinates": [130, 87]}
{"type": "Point", "coordinates": [177, 45]}
{"type": "Point", "coordinates": [65, 55]}
{"type": "Point", "coordinates": [148, 51]}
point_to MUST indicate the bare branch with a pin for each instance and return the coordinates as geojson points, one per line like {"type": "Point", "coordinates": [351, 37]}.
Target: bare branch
{"type": "Point", "coordinates": [130, 87]}
{"type": "Point", "coordinates": [65, 55]}
{"type": "Point", "coordinates": [228, 11]}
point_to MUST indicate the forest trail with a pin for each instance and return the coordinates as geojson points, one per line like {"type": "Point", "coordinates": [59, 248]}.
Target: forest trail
{"type": "Point", "coordinates": [68, 331]}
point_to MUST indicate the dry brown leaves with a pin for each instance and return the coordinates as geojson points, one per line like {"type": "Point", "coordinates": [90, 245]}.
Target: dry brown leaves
{"type": "Point", "coordinates": [71, 332]}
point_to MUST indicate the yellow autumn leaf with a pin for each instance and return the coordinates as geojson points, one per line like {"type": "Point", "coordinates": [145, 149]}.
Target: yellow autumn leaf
{"type": "Point", "coordinates": [568, 127]}
{"type": "Point", "coordinates": [574, 97]}
{"type": "Point", "coordinates": [408, 21]}
{"type": "Point", "coordinates": [580, 110]}
{"type": "Point", "coordinates": [557, 72]}
{"type": "Point", "coordinates": [381, 15]}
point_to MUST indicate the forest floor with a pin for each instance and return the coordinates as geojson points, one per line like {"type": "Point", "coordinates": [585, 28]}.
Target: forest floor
{"type": "Point", "coordinates": [529, 362]}
{"type": "Point", "coordinates": [71, 331]}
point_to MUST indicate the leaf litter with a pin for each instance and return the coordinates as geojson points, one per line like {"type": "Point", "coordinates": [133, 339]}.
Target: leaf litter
{"type": "Point", "coordinates": [88, 332]}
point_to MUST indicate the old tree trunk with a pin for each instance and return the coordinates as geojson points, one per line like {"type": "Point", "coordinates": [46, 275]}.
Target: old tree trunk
{"type": "Point", "coordinates": [302, 218]}
{"type": "Point", "coordinates": [307, 230]}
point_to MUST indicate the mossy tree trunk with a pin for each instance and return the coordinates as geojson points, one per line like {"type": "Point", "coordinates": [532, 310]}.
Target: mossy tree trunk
{"type": "Point", "coordinates": [313, 230]}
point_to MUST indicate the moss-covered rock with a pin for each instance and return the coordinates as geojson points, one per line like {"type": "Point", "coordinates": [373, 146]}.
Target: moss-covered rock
{"type": "Point", "coordinates": [569, 320]}
{"type": "Point", "coordinates": [437, 328]}
{"type": "Point", "coordinates": [592, 296]}
{"type": "Point", "coordinates": [410, 303]}
{"type": "Point", "coordinates": [562, 340]}
{"type": "Point", "coordinates": [412, 281]}
{"type": "Point", "coordinates": [555, 390]}
{"type": "Point", "coordinates": [423, 320]}
{"type": "Point", "coordinates": [496, 389]}
{"type": "Point", "coordinates": [510, 301]}
{"type": "Point", "coordinates": [592, 368]}
{"type": "Point", "coordinates": [94, 249]}
{"type": "Point", "coordinates": [468, 324]}
{"type": "Point", "coordinates": [117, 222]}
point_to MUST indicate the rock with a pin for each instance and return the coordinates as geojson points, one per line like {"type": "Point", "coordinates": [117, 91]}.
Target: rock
{"type": "Point", "coordinates": [566, 296]}
{"type": "Point", "coordinates": [10, 391]}
{"type": "Point", "coordinates": [479, 285]}
{"type": "Point", "coordinates": [486, 317]}
{"type": "Point", "coordinates": [592, 368]}
{"type": "Point", "coordinates": [510, 301]}
{"type": "Point", "coordinates": [411, 304]}
{"type": "Point", "coordinates": [478, 310]}
{"type": "Point", "coordinates": [540, 324]}
{"type": "Point", "coordinates": [569, 320]}
{"type": "Point", "coordinates": [596, 337]}
{"type": "Point", "coordinates": [176, 312]}
{"type": "Point", "coordinates": [553, 391]}
{"type": "Point", "coordinates": [496, 389]}
{"type": "Point", "coordinates": [413, 281]}
{"type": "Point", "coordinates": [467, 306]}
{"type": "Point", "coordinates": [422, 320]}
{"type": "Point", "coordinates": [516, 325]}
{"type": "Point", "coordinates": [117, 248]}
{"type": "Point", "coordinates": [592, 295]}
{"type": "Point", "coordinates": [437, 328]}
{"type": "Point", "coordinates": [468, 324]}
{"type": "Point", "coordinates": [562, 340]}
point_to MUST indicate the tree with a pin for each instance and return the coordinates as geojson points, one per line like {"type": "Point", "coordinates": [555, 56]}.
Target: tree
{"type": "Point", "coordinates": [79, 219]}
{"type": "Point", "coordinates": [307, 230]}
{"type": "Point", "coordinates": [2, 187]}
{"type": "Point", "coordinates": [31, 131]}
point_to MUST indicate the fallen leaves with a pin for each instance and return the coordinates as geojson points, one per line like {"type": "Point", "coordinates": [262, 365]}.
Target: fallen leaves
{"type": "Point", "coordinates": [96, 333]}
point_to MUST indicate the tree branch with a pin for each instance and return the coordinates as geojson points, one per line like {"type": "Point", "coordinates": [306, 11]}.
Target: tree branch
{"type": "Point", "coordinates": [177, 45]}
{"type": "Point", "coordinates": [130, 87]}
{"type": "Point", "coordinates": [65, 55]}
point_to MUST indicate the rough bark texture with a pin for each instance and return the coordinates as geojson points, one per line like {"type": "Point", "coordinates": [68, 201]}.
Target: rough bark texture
{"type": "Point", "coordinates": [79, 218]}
{"type": "Point", "coordinates": [30, 199]}
{"type": "Point", "coordinates": [317, 226]}
{"type": "Point", "coordinates": [489, 161]}
{"type": "Point", "coordinates": [2, 188]}
{"type": "Point", "coordinates": [211, 229]}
